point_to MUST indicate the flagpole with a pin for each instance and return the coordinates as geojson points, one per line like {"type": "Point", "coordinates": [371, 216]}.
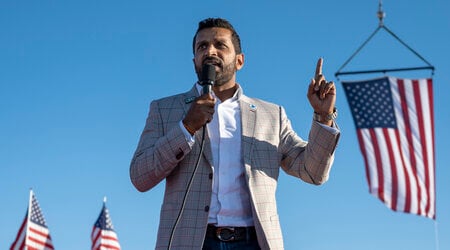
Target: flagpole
{"type": "Point", "coordinates": [28, 218]}
{"type": "Point", "coordinates": [436, 235]}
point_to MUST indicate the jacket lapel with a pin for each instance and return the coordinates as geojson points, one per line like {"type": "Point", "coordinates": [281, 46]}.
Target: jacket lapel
{"type": "Point", "coordinates": [248, 119]}
{"type": "Point", "coordinates": [207, 153]}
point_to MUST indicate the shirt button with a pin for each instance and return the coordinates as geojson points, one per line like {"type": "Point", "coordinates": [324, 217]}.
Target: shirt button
{"type": "Point", "coordinates": [206, 208]}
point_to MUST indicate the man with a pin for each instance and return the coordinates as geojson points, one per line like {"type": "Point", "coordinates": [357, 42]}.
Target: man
{"type": "Point", "coordinates": [231, 202]}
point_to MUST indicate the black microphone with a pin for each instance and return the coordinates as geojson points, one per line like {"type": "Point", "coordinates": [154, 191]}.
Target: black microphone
{"type": "Point", "coordinates": [208, 77]}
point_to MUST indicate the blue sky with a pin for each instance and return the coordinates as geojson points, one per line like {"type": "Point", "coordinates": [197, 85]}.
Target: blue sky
{"type": "Point", "coordinates": [77, 78]}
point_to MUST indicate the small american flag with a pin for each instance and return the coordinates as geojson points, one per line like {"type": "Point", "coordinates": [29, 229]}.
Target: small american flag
{"type": "Point", "coordinates": [394, 121]}
{"type": "Point", "coordinates": [103, 235]}
{"type": "Point", "coordinates": [33, 233]}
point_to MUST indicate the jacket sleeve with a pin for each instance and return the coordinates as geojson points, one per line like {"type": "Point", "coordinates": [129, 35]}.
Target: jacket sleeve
{"type": "Point", "coordinates": [311, 161]}
{"type": "Point", "coordinates": [158, 151]}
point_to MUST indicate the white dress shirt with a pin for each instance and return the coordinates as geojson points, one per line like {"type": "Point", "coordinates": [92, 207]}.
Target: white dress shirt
{"type": "Point", "coordinates": [230, 200]}
{"type": "Point", "coordinates": [230, 203]}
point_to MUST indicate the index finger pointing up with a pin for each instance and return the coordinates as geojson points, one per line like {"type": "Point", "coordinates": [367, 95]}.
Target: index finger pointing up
{"type": "Point", "coordinates": [319, 67]}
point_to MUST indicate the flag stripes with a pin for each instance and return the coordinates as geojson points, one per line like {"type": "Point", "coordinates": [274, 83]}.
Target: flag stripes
{"type": "Point", "coordinates": [104, 240]}
{"type": "Point", "coordinates": [19, 242]}
{"type": "Point", "coordinates": [398, 154]}
{"type": "Point", "coordinates": [39, 237]}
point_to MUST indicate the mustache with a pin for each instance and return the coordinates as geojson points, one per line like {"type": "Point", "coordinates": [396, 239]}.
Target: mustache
{"type": "Point", "coordinates": [212, 60]}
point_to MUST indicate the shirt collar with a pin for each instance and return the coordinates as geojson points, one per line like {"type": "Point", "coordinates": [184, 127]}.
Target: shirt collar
{"type": "Point", "coordinates": [236, 96]}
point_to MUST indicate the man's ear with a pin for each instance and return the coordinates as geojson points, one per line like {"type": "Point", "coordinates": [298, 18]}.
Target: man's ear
{"type": "Point", "coordinates": [193, 63]}
{"type": "Point", "coordinates": [239, 61]}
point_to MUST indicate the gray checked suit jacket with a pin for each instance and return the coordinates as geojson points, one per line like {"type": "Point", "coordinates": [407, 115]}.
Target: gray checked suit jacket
{"type": "Point", "coordinates": [268, 143]}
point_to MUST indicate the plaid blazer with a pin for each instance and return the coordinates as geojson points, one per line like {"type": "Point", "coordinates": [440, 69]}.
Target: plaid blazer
{"type": "Point", "coordinates": [268, 143]}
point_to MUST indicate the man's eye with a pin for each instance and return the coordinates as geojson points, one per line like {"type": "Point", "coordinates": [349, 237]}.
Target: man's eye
{"type": "Point", "coordinates": [201, 47]}
{"type": "Point", "coordinates": [221, 45]}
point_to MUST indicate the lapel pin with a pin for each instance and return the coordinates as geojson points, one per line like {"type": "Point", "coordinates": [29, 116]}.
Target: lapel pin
{"type": "Point", "coordinates": [189, 99]}
{"type": "Point", "coordinates": [252, 107]}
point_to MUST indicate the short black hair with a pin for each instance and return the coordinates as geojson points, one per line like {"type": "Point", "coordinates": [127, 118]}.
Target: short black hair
{"type": "Point", "coordinates": [219, 23]}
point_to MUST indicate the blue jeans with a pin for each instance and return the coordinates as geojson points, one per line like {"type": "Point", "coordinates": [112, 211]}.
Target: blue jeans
{"type": "Point", "coordinates": [215, 244]}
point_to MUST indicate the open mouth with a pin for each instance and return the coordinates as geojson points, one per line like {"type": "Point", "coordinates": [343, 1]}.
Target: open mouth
{"type": "Point", "coordinates": [213, 61]}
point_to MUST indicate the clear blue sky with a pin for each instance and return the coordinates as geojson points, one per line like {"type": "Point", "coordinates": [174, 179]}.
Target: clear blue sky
{"type": "Point", "coordinates": [77, 78]}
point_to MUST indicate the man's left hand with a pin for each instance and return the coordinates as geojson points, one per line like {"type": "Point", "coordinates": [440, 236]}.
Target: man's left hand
{"type": "Point", "coordinates": [322, 94]}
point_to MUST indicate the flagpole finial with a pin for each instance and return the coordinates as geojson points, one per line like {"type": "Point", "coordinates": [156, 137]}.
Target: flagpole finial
{"type": "Point", "coordinates": [381, 14]}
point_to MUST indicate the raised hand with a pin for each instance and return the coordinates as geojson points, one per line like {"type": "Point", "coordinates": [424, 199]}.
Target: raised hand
{"type": "Point", "coordinates": [321, 94]}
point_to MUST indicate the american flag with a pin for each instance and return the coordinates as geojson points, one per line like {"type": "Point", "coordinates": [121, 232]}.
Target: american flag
{"type": "Point", "coordinates": [103, 235]}
{"type": "Point", "coordinates": [394, 121]}
{"type": "Point", "coordinates": [33, 233]}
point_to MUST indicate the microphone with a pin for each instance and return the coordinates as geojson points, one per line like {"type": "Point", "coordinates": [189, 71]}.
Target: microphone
{"type": "Point", "coordinates": [208, 77]}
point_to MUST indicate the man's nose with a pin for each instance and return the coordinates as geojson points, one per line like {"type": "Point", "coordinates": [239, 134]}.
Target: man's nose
{"type": "Point", "coordinates": [211, 51]}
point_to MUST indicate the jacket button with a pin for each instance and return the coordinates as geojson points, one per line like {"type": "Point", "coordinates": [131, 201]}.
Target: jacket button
{"type": "Point", "coordinates": [210, 176]}
{"type": "Point", "coordinates": [206, 208]}
{"type": "Point", "coordinates": [179, 155]}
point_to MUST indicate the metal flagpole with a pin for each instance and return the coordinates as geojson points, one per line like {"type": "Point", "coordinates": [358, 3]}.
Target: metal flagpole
{"type": "Point", "coordinates": [436, 235]}
{"type": "Point", "coordinates": [27, 230]}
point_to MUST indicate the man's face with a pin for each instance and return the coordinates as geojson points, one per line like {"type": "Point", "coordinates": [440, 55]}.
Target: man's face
{"type": "Point", "coordinates": [214, 46]}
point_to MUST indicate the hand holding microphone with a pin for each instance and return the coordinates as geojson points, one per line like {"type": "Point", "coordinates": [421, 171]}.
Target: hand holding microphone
{"type": "Point", "coordinates": [202, 109]}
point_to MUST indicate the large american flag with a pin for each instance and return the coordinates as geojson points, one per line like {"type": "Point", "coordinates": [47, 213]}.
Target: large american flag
{"type": "Point", "coordinates": [33, 233]}
{"type": "Point", "coordinates": [103, 235]}
{"type": "Point", "coordinates": [394, 121]}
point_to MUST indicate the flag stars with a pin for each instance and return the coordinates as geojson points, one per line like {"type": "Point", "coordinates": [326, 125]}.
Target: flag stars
{"type": "Point", "coordinates": [104, 221]}
{"type": "Point", "coordinates": [36, 213]}
{"type": "Point", "coordinates": [371, 103]}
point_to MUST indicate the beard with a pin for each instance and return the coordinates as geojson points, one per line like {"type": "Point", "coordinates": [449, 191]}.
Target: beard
{"type": "Point", "coordinates": [224, 75]}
